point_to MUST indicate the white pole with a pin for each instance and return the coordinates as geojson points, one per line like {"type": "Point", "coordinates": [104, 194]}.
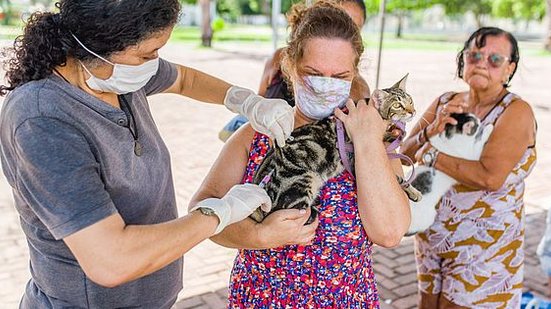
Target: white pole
{"type": "Point", "coordinates": [382, 10]}
{"type": "Point", "coordinates": [276, 8]}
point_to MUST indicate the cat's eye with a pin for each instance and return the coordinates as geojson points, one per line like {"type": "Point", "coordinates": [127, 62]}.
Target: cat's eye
{"type": "Point", "coordinates": [396, 105]}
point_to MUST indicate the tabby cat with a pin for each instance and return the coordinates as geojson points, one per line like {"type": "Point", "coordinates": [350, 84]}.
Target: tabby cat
{"type": "Point", "coordinates": [464, 140]}
{"type": "Point", "coordinates": [310, 157]}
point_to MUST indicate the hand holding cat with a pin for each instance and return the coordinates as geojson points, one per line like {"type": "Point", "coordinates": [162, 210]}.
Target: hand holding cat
{"type": "Point", "coordinates": [363, 121]}
{"type": "Point", "coordinates": [443, 117]}
{"type": "Point", "coordinates": [286, 227]}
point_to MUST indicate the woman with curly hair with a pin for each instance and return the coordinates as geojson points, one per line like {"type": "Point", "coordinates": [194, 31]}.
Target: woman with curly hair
{"type": "Point", "coordinates": [91, 175]}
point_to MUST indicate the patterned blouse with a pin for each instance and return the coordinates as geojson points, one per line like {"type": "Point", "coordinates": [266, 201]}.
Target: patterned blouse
{"type": "Point", "coordinates": [334, 272]}
{"type": "Point", "coordinates": [474, 251]}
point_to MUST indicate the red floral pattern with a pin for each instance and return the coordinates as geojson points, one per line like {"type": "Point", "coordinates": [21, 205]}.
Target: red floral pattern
{"type": "Point", "coordinates": [334, 272]}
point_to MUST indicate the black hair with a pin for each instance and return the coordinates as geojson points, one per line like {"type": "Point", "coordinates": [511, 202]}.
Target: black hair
{"type": "Point", "coordinates": [479, 37]}
{"type": "Point", "coordinates": [104, 26]}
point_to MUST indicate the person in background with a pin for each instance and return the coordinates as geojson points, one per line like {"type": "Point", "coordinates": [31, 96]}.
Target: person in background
{"type": "Point", "coordinates": [90, 174]}
{"type": "Point", "coordinates": [273, 83]}
{"type": "Point", "coordinates": [326, 264]}
{"type": "Point", "coordinates": [472, 255]}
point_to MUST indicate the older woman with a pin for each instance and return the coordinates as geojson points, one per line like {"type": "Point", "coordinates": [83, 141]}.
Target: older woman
{"type": "Point", "coordinates": [472, 255]}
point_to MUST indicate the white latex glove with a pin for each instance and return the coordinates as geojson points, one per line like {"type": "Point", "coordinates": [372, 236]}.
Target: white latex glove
{"type": "Point", "coordinates": [237, 204]}
{"type": "Point", "coordinates": [273, 117]}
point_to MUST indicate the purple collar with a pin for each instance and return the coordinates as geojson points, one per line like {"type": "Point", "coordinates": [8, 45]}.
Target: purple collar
{"type": "Point", "coordinates": [346, 150]}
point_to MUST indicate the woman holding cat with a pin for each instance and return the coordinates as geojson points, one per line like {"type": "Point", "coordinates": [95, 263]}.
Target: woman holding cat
{"type": "Point", "coordinates": [330, 267]}
{"type": "Point", "coordinates": [472, 255]}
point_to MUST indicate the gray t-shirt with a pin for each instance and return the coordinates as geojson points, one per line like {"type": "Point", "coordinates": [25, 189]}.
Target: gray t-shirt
{"type": "Point", "coordinates": [70, 160]}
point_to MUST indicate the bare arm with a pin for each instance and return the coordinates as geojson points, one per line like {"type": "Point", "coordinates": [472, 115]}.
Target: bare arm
{"type": "Point", "coordinates": [112, 253]}
{"type": "Point", "coordinates": [280, 228]}
{"type": "Point", "coordinates": [513, 133]}
{"type": "Point", "coordinates": [410, 145]}
{"type": "Point", "coordinates": [383, 206]}
{"type": "Point", "coordinates": [199, 86]}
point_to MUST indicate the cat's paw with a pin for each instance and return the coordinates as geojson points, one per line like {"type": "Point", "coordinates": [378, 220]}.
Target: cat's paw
{"type": "Point", "coordinates": [413, 194]}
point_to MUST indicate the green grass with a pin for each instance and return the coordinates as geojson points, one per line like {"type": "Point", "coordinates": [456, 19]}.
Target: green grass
{"type": "Point", "coordinates": [263, 34]}
{"type": "Point", "coordinates": [539, 52]}
{"type": "Point", "coordinates": [230, 33]}
{"type": "Point", "coordinates": [390, 42]}
{"type": "Point", "coordinates": [247, 34]}
{"type": "Point", "coordinates": [10, 32]}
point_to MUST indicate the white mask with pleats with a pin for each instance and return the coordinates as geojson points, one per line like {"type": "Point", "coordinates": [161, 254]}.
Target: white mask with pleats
{"type": "Point", "coordinates": [318, 97]}
{"type": "Point", "coordinates": [125, 78]}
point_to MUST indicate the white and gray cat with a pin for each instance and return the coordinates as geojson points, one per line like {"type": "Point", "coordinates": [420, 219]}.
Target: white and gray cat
{"type": "Point", "coordinates": [300, 168]}
{"type": "Point", "coordinates": [464, 140]}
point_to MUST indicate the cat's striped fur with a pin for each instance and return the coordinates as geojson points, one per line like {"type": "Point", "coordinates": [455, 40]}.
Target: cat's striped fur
{"type": "Point", "coordinates": [311, 157]}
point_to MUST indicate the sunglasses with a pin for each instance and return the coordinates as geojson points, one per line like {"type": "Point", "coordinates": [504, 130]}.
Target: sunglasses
{"type": "Point", "coordinates": [495, 60]}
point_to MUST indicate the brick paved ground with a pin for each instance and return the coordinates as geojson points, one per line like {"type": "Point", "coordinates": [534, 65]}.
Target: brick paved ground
{"type": "Point", "coordinates": [190, 131]}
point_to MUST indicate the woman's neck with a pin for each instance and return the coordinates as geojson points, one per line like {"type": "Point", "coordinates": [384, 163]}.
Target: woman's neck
{"type": "Point", "coordinates": [300, 119]}
{"type": "Point", "coordinates": [488, 97]}
{"type": "Point", "coordinates": [73, 73]}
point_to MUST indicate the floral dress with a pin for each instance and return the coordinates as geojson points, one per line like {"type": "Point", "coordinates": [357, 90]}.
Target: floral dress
{"type": "Point", "coordinates": [474, 251]}
{"type": "Point", "coordinates": [334, 272]}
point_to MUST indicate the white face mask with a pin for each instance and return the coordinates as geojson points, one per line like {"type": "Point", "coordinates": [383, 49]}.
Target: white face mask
{"type": "Point", "coordinates": [125, 78]}
{"type": "Point", "coordinates": [318, 97]}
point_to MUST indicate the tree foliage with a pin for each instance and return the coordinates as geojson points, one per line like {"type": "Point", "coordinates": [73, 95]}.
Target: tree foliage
{"type": "Point", "coordinates": [458, 7]}
{"type": "Point", "coordinates": [398, 8]}
{"type": "Point", "coordinates": [547, 43]}
{"type": "Point", "coordinates": [519, 9]}
{"type": "Point", "coordinates": [393, 6]}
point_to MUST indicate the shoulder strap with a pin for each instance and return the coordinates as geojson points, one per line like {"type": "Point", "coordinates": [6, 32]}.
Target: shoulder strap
{"type": "Point", "coordinates": [500, 107]}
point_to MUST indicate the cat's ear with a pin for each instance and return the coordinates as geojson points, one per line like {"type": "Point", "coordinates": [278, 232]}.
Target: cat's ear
{"type": "Point", "coordinates": [401, 83]}
{"type": "Point", "coordinates": [378, 97]}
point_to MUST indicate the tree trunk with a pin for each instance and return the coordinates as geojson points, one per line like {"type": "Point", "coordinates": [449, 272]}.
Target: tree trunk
{"type": "Point", "coordinates": [548, 38]}
{"type": "Point", "coordinates": [400, 25]}
{"type": "Point", "coordinates": [478, 18]}
{"type": "Point", "coordinates": [206, 28]}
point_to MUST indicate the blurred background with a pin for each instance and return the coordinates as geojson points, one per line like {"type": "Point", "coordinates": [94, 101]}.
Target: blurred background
{"type": "Point", "coordinates": [231, 39]}
{"type": "Point", "coordinates": [415, 24]}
